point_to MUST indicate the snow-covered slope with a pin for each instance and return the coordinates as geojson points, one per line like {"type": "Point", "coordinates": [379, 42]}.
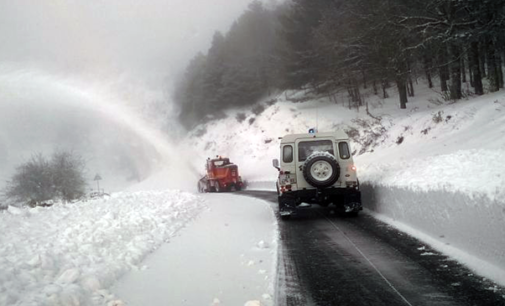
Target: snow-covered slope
{"type": "Point", "coordinates": [71, 254]}
{"type": "Point", "coordinates": [431, 145]}
{"type": "Point", "coordinates": [449, 153]}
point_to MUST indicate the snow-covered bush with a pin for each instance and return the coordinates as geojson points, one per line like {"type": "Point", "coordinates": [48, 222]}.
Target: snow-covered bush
{"type": "Point", "coordinates": [40, 180]}
{"type": "Point", "coordinates": [240, 117]}
{"type": "Point", "coordinates": [367, 133]}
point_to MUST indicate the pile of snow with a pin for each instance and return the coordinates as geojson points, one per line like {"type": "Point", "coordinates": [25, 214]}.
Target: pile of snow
{"type": "Point", "coordinates": [227, 256]}
{"type": "Point", "coordinates": [71, 254]}
{"type": "Point", "coordinates": [434, 149]}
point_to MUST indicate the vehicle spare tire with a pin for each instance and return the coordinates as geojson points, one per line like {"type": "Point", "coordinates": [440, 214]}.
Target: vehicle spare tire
{"type": "Point", "coordinates": [321, 170]}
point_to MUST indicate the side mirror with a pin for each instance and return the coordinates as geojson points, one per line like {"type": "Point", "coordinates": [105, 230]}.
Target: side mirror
{"type": "Point", "coordinates": [275, 163]}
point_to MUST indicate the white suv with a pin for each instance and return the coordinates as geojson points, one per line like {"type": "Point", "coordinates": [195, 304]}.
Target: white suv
{"type": "Point", "coordinates": [317, 168]}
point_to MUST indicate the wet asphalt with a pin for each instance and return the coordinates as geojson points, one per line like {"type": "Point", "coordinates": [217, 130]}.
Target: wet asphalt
{"type": "Point", "coordinates": [330, 259]}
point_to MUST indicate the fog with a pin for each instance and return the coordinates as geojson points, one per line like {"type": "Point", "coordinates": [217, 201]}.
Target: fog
{"type": "Point", "coordinates": [95, 77]}
{"type": "Point", "coordinates": [149, 37]}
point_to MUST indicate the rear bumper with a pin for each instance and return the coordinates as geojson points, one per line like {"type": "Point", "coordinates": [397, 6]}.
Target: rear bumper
{"type": "Point", "coordinates": [314, 193]}
{"type": "Point", "coordinates": [340, 197]}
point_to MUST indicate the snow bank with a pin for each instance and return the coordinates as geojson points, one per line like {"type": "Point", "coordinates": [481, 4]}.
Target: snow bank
{"type": "Point", "coordinates": [261, 185]}
{"type": "Point", "coordinates": [227, 256]}
{"type": "Point", "coordinates": [469, 172]}
{"type": "Point", "coordinates": [468, 229]}
{"type": "Point", "coordinates": [71, 254]}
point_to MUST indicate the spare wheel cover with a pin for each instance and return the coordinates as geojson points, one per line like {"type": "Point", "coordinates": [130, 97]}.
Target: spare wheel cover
{"type": "Point", "coordinates": [321, 170]}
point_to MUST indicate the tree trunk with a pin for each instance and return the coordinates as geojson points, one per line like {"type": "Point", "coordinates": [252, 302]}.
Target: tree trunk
{"type": "Point", "coordinates": [493, 74]}
{"type": "Point", "coordinates": [443, 70]}
{"type": "Point", "coordinates": [455, 92]}
{"type": "Point", "coordinates": [402, 90]}
{"type": "Point", "coordinates": [483, 60]}
{"type": "Point", "coordinates": [427, 65]}
{"type": "Point", "coordinates": [410, 87]}
{"type": "Point", "coordinates": [384, 91]}
{"type": "Point", "coordinates": [475, 68]}
{"type": "Point", "coordinates": [463, 69]}
{"type": "Point", "coordinates": [357, 94]}
{"type": "Point", "coordinates": [470, 67]}
{"type": "Point", "coordinates": [499, 69]}
{"type": "Point", "coordinates": [375, 87]}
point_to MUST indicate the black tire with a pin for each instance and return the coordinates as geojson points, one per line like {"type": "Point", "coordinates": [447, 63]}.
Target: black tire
{"type": "Point", "coordinates": [285, 217]}
{"type": "Point", "coordinates": [238, 187]}
{"type": "Point", "coordinates": [352, 214]}
{"type": "Point", "coordinates": [327, 162]}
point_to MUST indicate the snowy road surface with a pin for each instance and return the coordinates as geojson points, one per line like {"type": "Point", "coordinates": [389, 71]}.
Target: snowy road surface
{"type": "Point", "coordinates": [332, 260]}
{"type": "Point", "coordinates": [227, 256]}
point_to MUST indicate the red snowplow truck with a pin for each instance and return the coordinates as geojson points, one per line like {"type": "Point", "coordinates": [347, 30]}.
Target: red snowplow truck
{"type": "Point", "coordinates": [222, 175]}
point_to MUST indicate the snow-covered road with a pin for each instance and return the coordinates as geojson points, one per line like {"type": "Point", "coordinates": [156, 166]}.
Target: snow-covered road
{"type": "Point", "coordinates": [227, 256]}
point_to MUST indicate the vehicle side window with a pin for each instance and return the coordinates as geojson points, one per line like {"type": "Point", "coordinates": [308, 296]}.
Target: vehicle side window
{"type": "Point", "coordinates": [343, 148]}
{"type": "Point", "coordinates": [287, 154]}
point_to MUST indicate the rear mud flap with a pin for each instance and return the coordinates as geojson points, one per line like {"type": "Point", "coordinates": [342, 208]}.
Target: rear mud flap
{"type": "Point", "coordinates": [287, 206]}
{"type": "Point", "coordinates": [352, 202]}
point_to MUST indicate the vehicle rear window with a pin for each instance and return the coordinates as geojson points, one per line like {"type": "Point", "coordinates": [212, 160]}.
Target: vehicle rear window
{"type": "Point", "coordinates": [287, 154]}
{"type": "Point", "coordinates": [306, 148]}
{"type": "Point", "coordinates": [343, 149]}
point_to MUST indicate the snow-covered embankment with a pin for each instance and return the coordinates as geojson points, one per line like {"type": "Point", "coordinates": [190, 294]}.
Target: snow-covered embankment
{"type": "Point", "coordinates": [470, 230]}
{"type": "Point", "coordinates": [71, 254]}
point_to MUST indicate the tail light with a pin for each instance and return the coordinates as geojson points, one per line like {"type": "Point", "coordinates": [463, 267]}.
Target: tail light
{"type": "Point", "coordinates": [287, 179]}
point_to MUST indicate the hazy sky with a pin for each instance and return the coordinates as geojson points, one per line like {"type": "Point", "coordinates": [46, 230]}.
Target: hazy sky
{"type": "Point", "coordinates": [147, 35]}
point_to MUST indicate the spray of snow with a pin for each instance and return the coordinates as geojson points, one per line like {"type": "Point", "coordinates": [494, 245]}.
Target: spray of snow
{"type": "Point", "coordinates": [40, 112]}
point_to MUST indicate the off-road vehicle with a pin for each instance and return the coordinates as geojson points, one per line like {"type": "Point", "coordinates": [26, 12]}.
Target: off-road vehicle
{"type": "Point", "coordinates": [317, 168]}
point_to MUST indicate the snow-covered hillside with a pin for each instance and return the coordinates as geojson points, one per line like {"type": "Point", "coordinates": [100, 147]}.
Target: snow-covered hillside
{"type": "Point", "coordinates": [447, 153]}
{"type": "Point", "coordinates": [431, 145]}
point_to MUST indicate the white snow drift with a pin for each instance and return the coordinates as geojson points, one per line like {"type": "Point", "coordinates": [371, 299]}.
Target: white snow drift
{"type": "Point", "coordinates": [70, 254]}
{"type": "Point", "coordinates": [227, 256]}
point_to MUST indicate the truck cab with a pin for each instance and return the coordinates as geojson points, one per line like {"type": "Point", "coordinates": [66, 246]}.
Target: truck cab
{"type": "Point", "coordinates": [221, 175]}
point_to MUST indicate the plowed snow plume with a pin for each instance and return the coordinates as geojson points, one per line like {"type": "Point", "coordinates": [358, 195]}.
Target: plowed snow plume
{"type": "Point", "coordinates": [105, 122]}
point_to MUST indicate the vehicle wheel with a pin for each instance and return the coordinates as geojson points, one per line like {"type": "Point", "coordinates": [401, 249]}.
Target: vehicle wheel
{"type": "Point", "coordinates": [352, 214]}
{"type": "Point", "coordinates": [285, 217]}
{"type": "Point", "coordinates": [321, 170]}
{"type": "Point", "coordinates": [238, 188]}
{"type": "Point", "coordinates": [286, 207]}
